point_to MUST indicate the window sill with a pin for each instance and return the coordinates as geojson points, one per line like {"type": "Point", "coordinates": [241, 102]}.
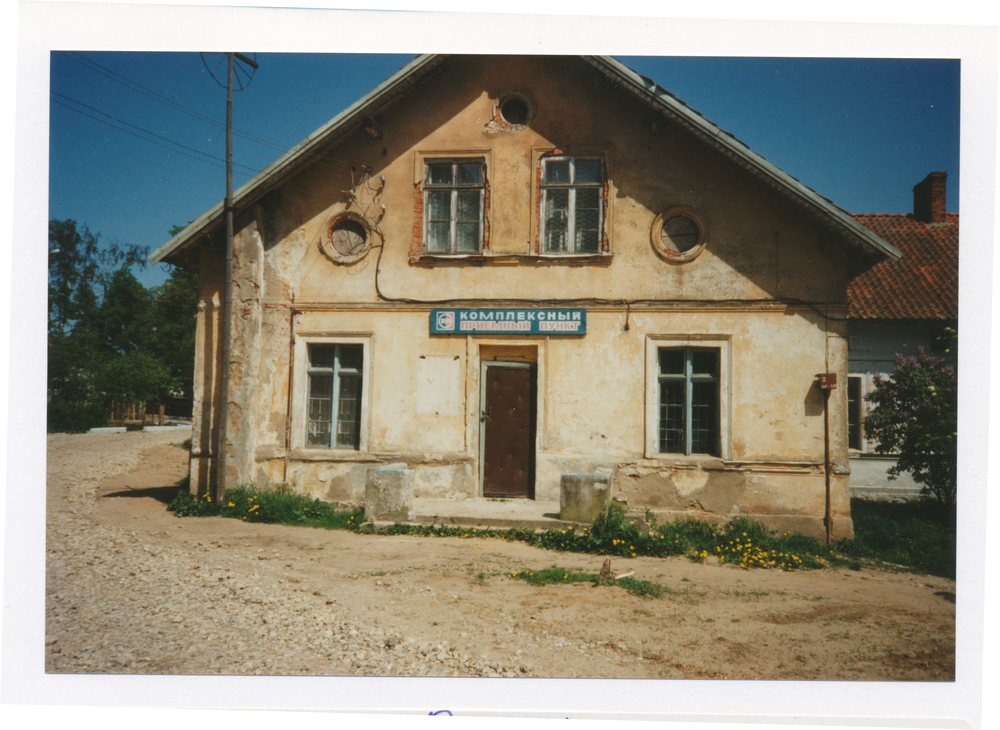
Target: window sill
{"type": "Point", "coordinates": [322, 454]}
{"type": "Point", "coordinates": [683, 461]}
{"type": "Point", "coordinates": [488, 259]}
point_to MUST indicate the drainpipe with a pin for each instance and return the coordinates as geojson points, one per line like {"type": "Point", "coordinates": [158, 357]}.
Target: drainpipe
{"type": "Point", "coordinates": [291, 381]}
{"type": "Point", "coordinates": [828, 518]}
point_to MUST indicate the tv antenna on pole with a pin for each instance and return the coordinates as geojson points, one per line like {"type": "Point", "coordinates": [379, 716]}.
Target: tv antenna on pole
{"type": "Point", "coordinates": [239, 68]}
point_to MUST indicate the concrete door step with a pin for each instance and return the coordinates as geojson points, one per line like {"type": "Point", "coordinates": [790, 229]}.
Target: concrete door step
{"type": "Point", "coordinates": [502, 523]}
{"type": "Point", "coordinates": [480, 512]}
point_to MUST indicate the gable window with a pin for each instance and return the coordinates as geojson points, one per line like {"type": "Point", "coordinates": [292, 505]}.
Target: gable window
{"type": "Point", "coordinates": [334, 373]}
{"type": "Point", "coordinates": [689, 403]}
{"type": "Point", "coordinates": [453, 206]}
{"type": "Point", "coordinates": [572, 204]}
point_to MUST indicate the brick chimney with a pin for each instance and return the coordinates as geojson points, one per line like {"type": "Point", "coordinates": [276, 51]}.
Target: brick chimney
{"type": "Point", "coordinates": [929, 198]}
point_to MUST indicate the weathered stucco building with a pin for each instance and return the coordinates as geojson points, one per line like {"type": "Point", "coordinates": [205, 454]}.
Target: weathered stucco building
{"type": "Point", "coordinates": [897, 308]}
{"type": "Point", "coordinates": [503, 269]}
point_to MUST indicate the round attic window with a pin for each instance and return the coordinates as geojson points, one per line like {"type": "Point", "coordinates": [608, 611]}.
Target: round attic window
{"type": "Point", "coordinates": [679, 234]}
{"type": "Point", "coordinates": [347, 238]}
{"type": "Point", "coordinates": [514, 110]}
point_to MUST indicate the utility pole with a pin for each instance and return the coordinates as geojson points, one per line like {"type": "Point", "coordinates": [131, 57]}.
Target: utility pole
{"type": "Point", "coordinates": [227, 301]}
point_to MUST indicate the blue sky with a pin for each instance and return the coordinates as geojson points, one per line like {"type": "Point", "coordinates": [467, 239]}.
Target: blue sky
{"type": "Point", "coordinates": [137, 141]}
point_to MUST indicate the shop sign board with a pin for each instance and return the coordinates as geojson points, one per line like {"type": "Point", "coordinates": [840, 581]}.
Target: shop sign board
{"type": "Point", "coordinates": [508, 321]}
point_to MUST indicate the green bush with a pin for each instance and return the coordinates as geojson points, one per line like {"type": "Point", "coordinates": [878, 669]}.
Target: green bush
{"type": "Point", "coordinates": [276, 505]}
{"type": "Point", "coordinates": [918, 534]}
{"type": "Point", "coordinates": [63, 417]}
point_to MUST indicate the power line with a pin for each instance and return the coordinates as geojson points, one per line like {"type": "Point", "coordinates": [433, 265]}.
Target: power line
{"type": "Point", "coordinates": [316, 157]}
{"type": "Point", "coordinates": [141, 129]}
{"type": "Point", "coordinates": [156, 96]}
{"type": "Point", "coordinates": [153, 141]}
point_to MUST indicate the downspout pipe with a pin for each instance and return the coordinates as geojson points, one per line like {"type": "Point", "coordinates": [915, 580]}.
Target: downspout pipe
{"type": "Point", "coordinates": [828, 517]}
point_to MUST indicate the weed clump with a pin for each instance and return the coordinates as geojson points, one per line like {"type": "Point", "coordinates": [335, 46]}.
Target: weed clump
{"type": "Point", "coordinates": [277, 505]}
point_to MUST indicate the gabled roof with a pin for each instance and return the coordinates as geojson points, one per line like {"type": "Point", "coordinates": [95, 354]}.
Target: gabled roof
{"type": "Point", "coordinates": [639, 86]}
{"type": "Point", "coordinates": [923, 284]}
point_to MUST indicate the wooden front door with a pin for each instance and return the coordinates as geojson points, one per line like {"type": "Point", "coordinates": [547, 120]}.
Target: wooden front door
{"type": "Point", "coordinates": [507, 434]}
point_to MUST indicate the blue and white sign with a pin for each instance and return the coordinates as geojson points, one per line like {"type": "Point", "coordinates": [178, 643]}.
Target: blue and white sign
{"type": "Point", "coordinates": [508, 321]}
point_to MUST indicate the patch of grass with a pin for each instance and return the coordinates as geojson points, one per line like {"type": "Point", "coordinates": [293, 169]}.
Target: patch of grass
{"type": "Point", "coordinates": [919, 534]}
{"type": "Point", "coordinates": [548, 576]}
{"type": "Point", "coordinates": [910, 535]}
{"type": "Point", "coordinates": [280, 506]}
{"type": "Point", "coordinates": [741, 542]}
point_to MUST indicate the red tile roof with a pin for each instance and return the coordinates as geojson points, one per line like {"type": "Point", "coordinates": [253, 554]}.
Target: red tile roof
{"type": "Point", "coordinates": [923, 284]}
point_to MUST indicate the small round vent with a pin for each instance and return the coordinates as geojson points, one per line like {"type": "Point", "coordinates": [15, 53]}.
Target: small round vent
{"type": "Point", "coordinates": [347, 238]}
{"type": "Point", "coordinates": [514, 110]}
{"type": "Point", "coordinates": [679, 234]}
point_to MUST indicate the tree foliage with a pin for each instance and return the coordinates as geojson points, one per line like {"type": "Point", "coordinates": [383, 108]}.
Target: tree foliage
{"type": "Point", "coordinates": [915, 415]}
{"type": "Point", "coordinates": [79, 271]}
{"type": "Point", "coordinates": [112, 341]}
{"type": "Point", "coordinates": [172, 324]}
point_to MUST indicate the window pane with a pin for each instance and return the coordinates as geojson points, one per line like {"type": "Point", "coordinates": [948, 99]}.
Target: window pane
{"type": "Point", "coordinates": [438, 235]}
{"type": "Point", "coordinates": [322, 356]}
{"type": "Point", "coordinates": [557, 171]}
{"type": "Point", "coordinates": [671, 361]}
{"type": "Point", "coordinates": [672, 417]}
{"type": "Point", "coordinates": [588, 199]}
{"type": "Point", "coordinates": [586, 220]}
{"type": "Point", "coordinates": [588, 171]}
{"type": "Point", "coordinates": [351, 357]}
{"type": "Point", "coordinates": [705, 362]}
{"type": "Point", "coordinates": [470, 173]}
{"type": "Point", "coordinates": [439, 205]}
{"type": "Point", "coordinates": [557, 208]}
{"type": "Point", "coordinates": [467, 236]}
{"type": "Point", "coordinates": [587, 241]}
{"type": "Point", "coordinates": [349, 411]}
{"type": "Point", "coordinates": [854, 413]}
{"type": "Point", "coordinates": [439, 174]}
{"type": "Point", "coordinates": [320, 409]}
{"type": "Point", "coordinates": [467, 206]}
{"type": "Point", "coordinates": [704, 418]}
{"type": "Point", "coordinates": [556, 220]}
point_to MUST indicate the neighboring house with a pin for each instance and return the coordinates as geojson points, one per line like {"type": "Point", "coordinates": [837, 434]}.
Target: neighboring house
{"type": "Point", "coordinates": [503, 269]}
{"type": "Point", "coordinates": [896, 308]}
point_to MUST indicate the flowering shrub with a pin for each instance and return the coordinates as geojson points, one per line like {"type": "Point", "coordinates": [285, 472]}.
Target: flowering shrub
{"type": "Point", "coordinates": [915, 415]}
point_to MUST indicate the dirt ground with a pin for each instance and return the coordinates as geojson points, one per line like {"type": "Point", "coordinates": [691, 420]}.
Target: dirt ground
{"type": "Point", "coordinates": [457, 595]}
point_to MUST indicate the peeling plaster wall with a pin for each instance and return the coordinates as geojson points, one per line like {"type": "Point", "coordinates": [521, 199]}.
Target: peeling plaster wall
{"type": "Point", "coordinates": [422, 393]}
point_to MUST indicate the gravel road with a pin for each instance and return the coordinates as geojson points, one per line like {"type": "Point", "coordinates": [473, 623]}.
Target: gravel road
{"type": "Point", "coordinates": [133, 589]}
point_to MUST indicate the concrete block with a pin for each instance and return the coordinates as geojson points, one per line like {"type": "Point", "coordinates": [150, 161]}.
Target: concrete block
{"type": "Point", "coordinates": [108, 429]}
{"type": "Point", "coordinates": [583, 496]}
{"type": "Point", "coordinates": [389, 493]}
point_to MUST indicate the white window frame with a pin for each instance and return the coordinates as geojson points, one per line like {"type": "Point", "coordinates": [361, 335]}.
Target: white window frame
{"type": "Point", "coordinates": [571, 186]}
{"type": "Point", "coordinates": [721, 343]}
{"type": "Point", "coordinates": [866, 385]}
{"type": "Point", "coordinates": [300, 392]}
{"type": "Point", "coordinates": [453, 188]}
